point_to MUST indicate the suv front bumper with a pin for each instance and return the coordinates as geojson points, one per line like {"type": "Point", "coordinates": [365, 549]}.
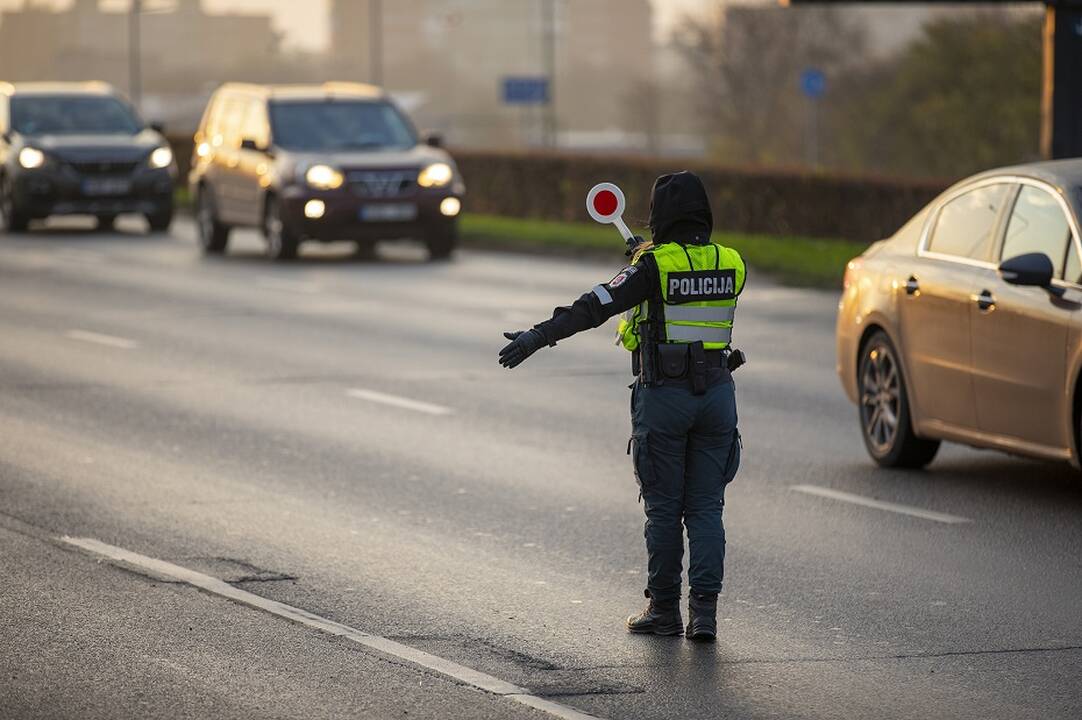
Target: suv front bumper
{"type": "Point", "coordinates": [346, 216]}
{"type": "Point", "coordinates": [47, 191]}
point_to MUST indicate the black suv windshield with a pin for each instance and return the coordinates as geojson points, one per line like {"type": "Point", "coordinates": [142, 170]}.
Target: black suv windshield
{"type": "Point", "coordinates": [72, 115]}
{"type": "Point", "coordinates": [328, 125]}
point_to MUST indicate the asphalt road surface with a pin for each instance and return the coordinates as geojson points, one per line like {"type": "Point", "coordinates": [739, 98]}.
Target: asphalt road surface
{"type": "Point", "coordinates": [335, 441]}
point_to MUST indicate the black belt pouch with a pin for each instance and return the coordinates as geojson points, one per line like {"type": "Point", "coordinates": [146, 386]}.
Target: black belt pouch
{"type": "Point", "coordinates": [673, 360]}
{"type": "Point", "coordinates": [698, 367]}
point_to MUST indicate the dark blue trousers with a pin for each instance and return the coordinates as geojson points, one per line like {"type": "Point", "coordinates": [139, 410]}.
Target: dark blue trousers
{"type": "Point", "coordinates": [685, 449]}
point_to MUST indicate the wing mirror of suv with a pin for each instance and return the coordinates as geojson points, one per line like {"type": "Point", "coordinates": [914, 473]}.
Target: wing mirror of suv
{"type": "Point", "coordinates": [250, 144]}
{"type": "Point", "coordinates": [434, 140]}
{"type": "Point", "coordinates": [157, 126]}
{"type": "Point", "coordinates": [1030, 270]}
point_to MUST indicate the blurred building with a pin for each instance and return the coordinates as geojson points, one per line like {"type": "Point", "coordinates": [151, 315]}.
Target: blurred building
{"type": "Point", "coordinates": [183, 48]}
{"type": "Point", "coordinates": [451, 56]}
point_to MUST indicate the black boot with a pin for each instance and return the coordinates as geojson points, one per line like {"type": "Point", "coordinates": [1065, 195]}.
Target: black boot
{"type": "Point", "coordinates": [702, 617]}
{"type": "Point", "coordinates": [659, 618]}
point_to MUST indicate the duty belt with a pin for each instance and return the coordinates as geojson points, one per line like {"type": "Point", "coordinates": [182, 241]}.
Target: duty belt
{"type": "Point", "coordinates": [681, 362]}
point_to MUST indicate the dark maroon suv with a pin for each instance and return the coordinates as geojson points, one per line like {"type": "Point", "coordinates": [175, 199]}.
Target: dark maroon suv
{"type": "Point", "coordinates": [338, 161]}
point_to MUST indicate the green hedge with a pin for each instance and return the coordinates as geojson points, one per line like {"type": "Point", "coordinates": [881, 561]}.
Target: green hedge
{"type": "Point", "coordinates": [553, 186]}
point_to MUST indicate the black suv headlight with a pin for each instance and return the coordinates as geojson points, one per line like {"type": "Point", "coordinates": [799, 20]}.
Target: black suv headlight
{"type": "Point", "coordinates": [161, 158]}
{"type": "Point", "coordinates": [31, 158]}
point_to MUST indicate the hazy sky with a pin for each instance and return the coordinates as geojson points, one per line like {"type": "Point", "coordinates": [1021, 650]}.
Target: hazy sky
{"type": "Point", "coordinates": [305, 21]}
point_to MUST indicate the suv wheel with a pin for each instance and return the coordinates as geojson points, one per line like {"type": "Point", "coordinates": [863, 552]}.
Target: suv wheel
{"type": "Point", "coordinates": [281, 243]}
{"type": "Point", "coordinates": [441, 242]}
{"type": "Point", "coordinates": [884, 409]}
{"type": "Point", "coordinates": [160, 221]}
{"type": "Point", "coordinates": [11, 219]}
{"type": "Point", "coordinates": [106, 222]}
{"type": "Point", "coordinates": [213, 235]}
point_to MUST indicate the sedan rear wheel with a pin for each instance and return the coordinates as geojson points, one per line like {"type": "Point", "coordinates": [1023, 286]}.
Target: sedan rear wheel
{"type": "Point", "coordinates": [884, 409]}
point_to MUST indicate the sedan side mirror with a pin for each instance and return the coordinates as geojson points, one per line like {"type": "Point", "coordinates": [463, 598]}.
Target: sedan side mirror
{"type": "Point", "coordinates": [434, 140]}
{"type": "Point", "coordinates": [157, 126]}
{"type": "Point", "coordinates": [1030, 270]}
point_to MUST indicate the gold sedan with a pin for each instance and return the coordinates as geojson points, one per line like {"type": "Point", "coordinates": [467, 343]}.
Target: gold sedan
{"type": "Point", "coordinates": [966, 325]}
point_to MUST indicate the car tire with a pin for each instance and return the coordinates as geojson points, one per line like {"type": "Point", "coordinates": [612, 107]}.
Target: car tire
{"type": "Point", "coordinates": [160, 222]}
{"type": "Point", "coordinates": [282, 244]}
{"type": "Point", "coordinates": [441, 243]}
{"type": "Point", "coordinates": [106, 223]}
{"type": "Point", "coordinates": [12, 220]}
{"type": "Point", "coordinates": [213, 235]}
{"type": "Point", "coordinates": [885, 420]}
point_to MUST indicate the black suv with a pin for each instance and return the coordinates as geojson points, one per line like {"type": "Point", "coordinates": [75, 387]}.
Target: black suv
{"type": "Point", "coordinates": [328, 162]}
{"type": "Point", "coordinates": [80, 149]}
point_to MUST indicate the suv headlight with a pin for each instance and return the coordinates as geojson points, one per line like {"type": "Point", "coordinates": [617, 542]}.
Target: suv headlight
{"type": "Point", "coordinates": [323, 177]}
{"type": "Point", "coordinates": [31, 158]}
{"type": "Point", "coordinates": [161, 158]}
{"type": "Point", "coordinates": [436, 175]}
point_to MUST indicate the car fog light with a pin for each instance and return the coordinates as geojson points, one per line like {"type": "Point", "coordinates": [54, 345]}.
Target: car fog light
{"type": "Point", "coordinates": [314, 209]}
{"type": "Point", "coordinates": [450, 206]}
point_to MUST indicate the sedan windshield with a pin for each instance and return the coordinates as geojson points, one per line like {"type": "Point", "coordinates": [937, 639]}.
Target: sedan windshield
{"type": "Point", "coordinates": [329, 125]}
{"type": "Point", "coordinates": [72, 115]}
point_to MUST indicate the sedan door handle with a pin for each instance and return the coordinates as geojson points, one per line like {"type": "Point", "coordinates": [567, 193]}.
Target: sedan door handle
{"type": "Point", "coordinates": [912, 287]}
{"type": "Point", "coordinates": [985, 301]}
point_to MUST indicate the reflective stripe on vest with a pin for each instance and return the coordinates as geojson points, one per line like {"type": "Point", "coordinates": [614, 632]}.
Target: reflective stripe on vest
{"type": "Point", "coordinates": [692, 333]}
{"type": "Point", "coordinates": [695, 313]}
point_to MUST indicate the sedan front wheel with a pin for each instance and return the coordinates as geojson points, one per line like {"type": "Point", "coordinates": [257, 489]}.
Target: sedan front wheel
{"type": "Point", "coordinates": [885, 419]}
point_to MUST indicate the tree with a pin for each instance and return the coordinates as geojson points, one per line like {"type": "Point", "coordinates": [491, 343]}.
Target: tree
{"type": "Point", "coordinates": [962, 97]}
{"type": "Point", "coordinates": [747, 61]}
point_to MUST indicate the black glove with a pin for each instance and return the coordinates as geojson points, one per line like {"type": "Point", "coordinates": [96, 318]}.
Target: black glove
{"type": "Point", "coordinates": [633, 245]}
{"type": "Point", "coordinates": [523, 344]}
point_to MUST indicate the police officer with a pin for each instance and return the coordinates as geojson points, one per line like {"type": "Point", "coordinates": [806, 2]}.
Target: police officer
{"type": "Point", "coordinates": [679, 294]}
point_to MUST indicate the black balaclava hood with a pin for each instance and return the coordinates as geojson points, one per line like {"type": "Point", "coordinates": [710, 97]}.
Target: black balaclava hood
{"type": "Point", "coordinates": [680, 210]}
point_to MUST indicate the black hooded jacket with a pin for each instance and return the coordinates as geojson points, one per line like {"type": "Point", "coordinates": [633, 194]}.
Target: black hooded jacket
{"type": "Point", "coordinates": [679, 212]}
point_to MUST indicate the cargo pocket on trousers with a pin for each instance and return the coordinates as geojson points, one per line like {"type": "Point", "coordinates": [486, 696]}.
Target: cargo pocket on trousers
{"type": "Point", "coordinates": [733, 463]}
{"type": "Point", "coordinates": [638, 447]}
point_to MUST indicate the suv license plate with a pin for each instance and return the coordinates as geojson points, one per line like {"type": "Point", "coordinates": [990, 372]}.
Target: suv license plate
{"type": "Point", "coordinates": [107, 186]}
{"type": "Point", "coordinates": [397, 212]}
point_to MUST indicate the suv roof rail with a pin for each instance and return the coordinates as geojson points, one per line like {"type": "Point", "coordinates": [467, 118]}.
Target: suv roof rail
{"type": "Point", "coordinates": [94, 86]}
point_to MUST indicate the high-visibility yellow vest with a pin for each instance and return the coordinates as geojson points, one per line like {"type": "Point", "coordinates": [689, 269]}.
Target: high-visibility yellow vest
{"type": "Point", "coordinates": [699, 288]}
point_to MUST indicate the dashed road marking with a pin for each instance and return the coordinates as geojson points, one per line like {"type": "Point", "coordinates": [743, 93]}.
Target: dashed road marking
{"type": "Point", "coordinates": [100, 339]}
{"type": "Point", "coordinates": [881, 504]}
{"type": "Point", "coordinates": [214, 586]}
{"type": "Point", "coordinates": [396, 401]}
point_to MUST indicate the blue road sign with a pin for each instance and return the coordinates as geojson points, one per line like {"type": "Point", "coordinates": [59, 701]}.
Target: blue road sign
{"type": "Point", "coordinates": [813, 82]}
{"type": "Point", "coordinates": [525, 90]}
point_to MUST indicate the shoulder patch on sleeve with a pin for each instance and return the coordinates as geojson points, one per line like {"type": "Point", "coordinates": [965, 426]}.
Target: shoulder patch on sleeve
{"type": "Point", "coordinates": [622, 276]}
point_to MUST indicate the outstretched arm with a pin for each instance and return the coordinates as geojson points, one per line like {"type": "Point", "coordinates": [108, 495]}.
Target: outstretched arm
{"type": "Point", "coordinates": [625, 290]}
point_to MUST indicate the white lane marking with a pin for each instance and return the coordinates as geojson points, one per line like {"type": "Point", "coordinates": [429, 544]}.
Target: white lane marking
{"type": "Point", "coordinates": [468, 676]}
{"type": "Point", "coordinates": [99, 339]}
{"type": "Point", "coordinates": [396, 401]}
{"type": "Point", "coordinates": [297, 286]}
{"type": "Point", "coordinates": [880, 504]}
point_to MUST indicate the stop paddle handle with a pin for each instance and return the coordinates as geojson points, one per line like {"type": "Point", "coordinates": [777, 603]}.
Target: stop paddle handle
{"type": "Point", "coordinates": [605, 203]}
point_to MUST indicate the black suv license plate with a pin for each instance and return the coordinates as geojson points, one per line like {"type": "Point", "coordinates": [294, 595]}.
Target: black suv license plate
{"type": "Point", "coordinates": [106, 186]}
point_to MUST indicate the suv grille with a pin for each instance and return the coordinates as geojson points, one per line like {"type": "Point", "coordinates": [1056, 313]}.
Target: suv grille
{"type": "Point", "coordinates": [103, 167]}
{"type": "Point", "coordinates": [382, 183]}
